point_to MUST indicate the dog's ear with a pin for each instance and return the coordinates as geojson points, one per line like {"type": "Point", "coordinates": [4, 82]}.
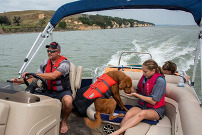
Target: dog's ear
{"type": "Point", "coordinates": [129, 82]}
{"type": "Point", "coordinates": [122, 85]}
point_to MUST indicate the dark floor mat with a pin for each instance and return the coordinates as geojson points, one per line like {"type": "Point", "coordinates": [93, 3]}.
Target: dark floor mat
{"type": "Point", "coordinates": [77, 125]}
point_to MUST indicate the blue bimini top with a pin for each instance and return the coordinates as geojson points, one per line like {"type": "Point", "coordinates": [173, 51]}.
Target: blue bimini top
{"type": "Point", "coordinates": [81, 6]}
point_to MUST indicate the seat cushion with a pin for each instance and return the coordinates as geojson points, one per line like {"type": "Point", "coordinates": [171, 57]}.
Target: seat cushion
{"type": "Point", "coordinates": [105, 117]}
{"type": "Point", "coordinates": [4, 113]}
{"type": "Point", "coordinates": [162, 128]}
{"type": "Point", "coordinates": [72, 77]}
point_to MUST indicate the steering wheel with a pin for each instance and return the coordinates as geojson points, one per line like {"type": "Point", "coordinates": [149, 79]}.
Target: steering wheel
{"type": "Point", "coordinates": [37, 77]}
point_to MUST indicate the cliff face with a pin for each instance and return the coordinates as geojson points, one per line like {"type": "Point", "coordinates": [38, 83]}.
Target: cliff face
{"type": "Point", "coordinates": [36, 20]}
{"type": "Point", "coordinates": [108, 22]}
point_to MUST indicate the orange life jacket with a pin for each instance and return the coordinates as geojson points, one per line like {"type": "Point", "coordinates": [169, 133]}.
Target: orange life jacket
{"type": "Point", "coordinates": [100, 87]}
{"type": "Point", "coordinates": [54, 84]}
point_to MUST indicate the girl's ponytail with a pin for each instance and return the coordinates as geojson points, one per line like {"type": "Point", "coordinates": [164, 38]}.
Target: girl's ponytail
{"type": "Point", "coordinates": [159, 69]}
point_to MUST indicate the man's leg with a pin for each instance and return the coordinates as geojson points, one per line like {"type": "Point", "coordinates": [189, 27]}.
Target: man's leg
{"type": "Point", "coordinates": [66, 110]}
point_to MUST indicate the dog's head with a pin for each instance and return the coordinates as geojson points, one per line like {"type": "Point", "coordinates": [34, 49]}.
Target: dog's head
{"type": "Point", "coordinates": [126, 84]}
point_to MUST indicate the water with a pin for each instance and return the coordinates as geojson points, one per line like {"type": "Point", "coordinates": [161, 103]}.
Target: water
{"type": "Point", "coordinates": [96, 48]}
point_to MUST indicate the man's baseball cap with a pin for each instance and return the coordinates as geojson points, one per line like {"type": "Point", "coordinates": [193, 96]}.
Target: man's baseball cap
{"type": "Point", "coordinates": [54, 45]}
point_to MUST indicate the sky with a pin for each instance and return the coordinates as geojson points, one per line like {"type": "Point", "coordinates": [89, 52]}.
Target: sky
{"type": "Point", "coordinates": [156, 16]}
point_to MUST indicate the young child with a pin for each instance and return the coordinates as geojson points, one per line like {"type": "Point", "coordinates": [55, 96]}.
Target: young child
{"type": "Point", "coordinates": [170, 68]}
{"type": "Point", "coordinates": [151, 93]}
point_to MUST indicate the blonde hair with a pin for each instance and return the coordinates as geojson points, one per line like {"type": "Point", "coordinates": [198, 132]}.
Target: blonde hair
{"type": "Point", "coordinates": [151, 64]}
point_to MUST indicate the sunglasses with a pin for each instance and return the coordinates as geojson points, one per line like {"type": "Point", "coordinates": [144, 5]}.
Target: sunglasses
{"type": "Point", "coordinates": [51, 51]}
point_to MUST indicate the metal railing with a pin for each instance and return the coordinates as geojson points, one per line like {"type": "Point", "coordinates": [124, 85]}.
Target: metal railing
{"type": "Point", "coordinates": [133, 52]}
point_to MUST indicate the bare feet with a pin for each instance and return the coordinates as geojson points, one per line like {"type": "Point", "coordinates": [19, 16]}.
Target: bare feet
{"type": "Point", "coordinates": [63, 128]}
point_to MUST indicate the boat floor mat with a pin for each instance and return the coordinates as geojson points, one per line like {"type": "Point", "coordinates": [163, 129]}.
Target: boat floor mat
{"type": "Point", "coordinates": [118, 110]}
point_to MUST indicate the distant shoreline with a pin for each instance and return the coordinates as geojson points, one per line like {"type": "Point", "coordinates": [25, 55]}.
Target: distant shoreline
{"type": "Point", "coordinates": [36, 20]}
{"type": "Point", "coordinates": [40, 29]}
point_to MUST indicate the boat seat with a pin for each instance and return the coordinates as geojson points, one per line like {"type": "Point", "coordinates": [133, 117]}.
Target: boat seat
{"type": "Point", "coordinates": [135, 76]}
{"type": "Point", "coordinates": [75, 77]}
{"type": "Point", "coordinates": [78, 79]}
{"type": "Point", "coordinates": [169, 125]}
{"type": "Point", "coordinates": [165, 126]}
{"type": "Point", "coordinates": [4, 113]}
{"type": "Point", "coordinates": [162, 128]}
{"type": "Point", "coordinates": [174, 79]}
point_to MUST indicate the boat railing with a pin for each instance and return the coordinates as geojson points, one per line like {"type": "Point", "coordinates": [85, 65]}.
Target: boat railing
{"type": "Point", "coordinates": [190, 84]}
{"type": "Point", "coordinates": [88, 73]}
{"type": "Point", "coordinates": [133, 52]}
{"type": "Point", "coordinates": [131, 67]}
{"type": "Point", "coordinates": [98, 71]}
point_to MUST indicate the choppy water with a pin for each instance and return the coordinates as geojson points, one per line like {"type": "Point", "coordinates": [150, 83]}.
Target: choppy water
{"type": "Point", "coordinates": [95, 48]}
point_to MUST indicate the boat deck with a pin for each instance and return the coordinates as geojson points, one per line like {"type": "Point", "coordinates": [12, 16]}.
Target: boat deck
{"type": "Point", "coordinates": [77, 125]}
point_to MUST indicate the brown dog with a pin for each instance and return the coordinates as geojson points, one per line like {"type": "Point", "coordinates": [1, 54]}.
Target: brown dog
{"type": "Point", "coordinates": [108, 105]}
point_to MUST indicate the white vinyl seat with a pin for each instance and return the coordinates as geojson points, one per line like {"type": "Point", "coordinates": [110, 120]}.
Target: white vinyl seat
{"type": "Point", "coordinates": [75, 77]}
{"type": "Point", "coordinates": [4, 112]}
{"type": "Point", "coordinates": [78, 78]}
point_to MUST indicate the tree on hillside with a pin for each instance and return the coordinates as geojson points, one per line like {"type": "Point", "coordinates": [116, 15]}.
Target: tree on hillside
{"type": "Point", "coordinates": [62, 25]}
{"type": "Point", "coordinates": [17, 20]}
{"type": "Point", "coordinates": [85, 20]}
{"type": "Point", "coordinates": [43, 21]}
{"type": "Point", "coordinates": [4, 20]}
{"type": "Point", "coordinates": [98, 20]}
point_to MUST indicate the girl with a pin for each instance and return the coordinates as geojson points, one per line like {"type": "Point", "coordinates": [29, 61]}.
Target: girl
{"type": "Point", "coordinates": [151, 93]}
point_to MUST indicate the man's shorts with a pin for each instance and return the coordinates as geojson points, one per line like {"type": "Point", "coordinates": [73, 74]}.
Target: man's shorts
{"type": "Point", "coordinates": [58, 95]}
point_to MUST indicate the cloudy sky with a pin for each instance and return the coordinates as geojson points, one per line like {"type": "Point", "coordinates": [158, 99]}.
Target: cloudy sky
{"type": "Point", "coordinates": [158, 17]}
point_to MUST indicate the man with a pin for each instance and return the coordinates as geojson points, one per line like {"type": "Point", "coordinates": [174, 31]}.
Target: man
{"type": "Point", "coordinates": [56, 71]}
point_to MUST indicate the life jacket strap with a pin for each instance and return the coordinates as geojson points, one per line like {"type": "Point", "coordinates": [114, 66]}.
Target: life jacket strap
{"type": "Point", "coordinates": [56, 84]}
{"type": "Point", "coordinates": [94, 87]}
{"type": "Point", "coordinates": [108, 93]}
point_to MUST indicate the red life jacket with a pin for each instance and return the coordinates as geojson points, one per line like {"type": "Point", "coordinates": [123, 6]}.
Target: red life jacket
{"type": "Point", "coordinates": [145, 88]}
{"type": "Point", "coordinates": [52, 84]}
{"type": "Point", "coordinates": [100, 87]}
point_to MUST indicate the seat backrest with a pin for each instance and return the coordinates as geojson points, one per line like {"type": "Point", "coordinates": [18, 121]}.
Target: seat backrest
{"type": "Point", "coordinates": [4, 113]}
{"type": "Point", "coordinates": [78, 77]}
{"type": "Point", "coordinates": [72, 77]}
{"type": "Point", "coordinates": [172, 112]}
{"type": "Point", "coordinates": [75, 77]}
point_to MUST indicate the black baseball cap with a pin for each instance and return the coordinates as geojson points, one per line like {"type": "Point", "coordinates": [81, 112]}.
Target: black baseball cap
{"type": "Point", "coordinates": [54, 45]}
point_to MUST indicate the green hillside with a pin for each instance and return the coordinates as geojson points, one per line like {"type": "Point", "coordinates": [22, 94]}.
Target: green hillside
{"type": "Point", "coordinates": [36, 20]}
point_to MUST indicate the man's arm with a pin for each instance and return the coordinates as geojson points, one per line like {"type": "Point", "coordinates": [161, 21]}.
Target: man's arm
{"type": "Point", "coordinates": [50, 76]}
{"type": "Point", "coordinates": [17, 81]}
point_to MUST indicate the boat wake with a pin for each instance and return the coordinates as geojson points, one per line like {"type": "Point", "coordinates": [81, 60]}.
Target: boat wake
{"type": "Point", "coordinates": [173, 49]}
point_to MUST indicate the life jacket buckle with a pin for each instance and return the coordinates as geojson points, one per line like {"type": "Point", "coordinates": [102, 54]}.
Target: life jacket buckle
{"type": "Point", "coordinates": [99, 79]}
{"type": "Point", "coordinates": [92, 86]}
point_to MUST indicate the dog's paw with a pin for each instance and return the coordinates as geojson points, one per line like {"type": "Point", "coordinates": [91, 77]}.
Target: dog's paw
{"type": "Point", "coordinates": [125, 109]}
{"type": "Point", "coordinates": [122, 115]}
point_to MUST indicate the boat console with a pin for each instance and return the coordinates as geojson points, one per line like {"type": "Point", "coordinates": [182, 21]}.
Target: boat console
{"type": "Point", "coordinates": [18, 96]}
{"type": "Point", "coordinates": [23, 113]}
